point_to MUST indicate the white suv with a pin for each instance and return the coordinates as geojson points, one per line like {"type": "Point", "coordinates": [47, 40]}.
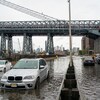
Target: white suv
{"type": "Point", "coordinates": [27, 74]}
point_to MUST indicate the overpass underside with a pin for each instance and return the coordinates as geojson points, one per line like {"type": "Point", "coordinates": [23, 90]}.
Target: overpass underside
{"type": "Point", "coordinates": [50, 29]}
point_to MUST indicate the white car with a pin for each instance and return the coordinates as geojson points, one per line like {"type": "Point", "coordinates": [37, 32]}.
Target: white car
{"type": "Point", "coordinates": [5, 65]}
{"type": "Point", "coordinates": [27, 74]}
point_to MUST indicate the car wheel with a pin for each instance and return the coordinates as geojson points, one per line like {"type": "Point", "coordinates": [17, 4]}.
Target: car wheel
{"type": "Point", "coordinates": [4, 70]}
{"type": "Point", "coordinates": [48, 75]}
{"type": "Point", "coordinates": [37, 85]}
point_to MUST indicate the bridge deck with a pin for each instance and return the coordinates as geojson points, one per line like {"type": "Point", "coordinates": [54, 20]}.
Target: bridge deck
{"type": "Point", "coordinates": [56, 28]}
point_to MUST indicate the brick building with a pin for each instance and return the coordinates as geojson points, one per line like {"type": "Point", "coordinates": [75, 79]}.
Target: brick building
{"type": "Point", "coordinates": [87, 44]}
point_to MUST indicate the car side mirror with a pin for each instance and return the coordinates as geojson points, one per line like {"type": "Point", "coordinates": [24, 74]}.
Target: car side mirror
{"type": "Point", "coordinates": [41, 66]}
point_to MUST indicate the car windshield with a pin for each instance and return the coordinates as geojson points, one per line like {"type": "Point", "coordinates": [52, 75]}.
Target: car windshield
{"type": "Point", "coordinates": [26, 64]}
{"type": "Point", "coordinates": [2, 62]}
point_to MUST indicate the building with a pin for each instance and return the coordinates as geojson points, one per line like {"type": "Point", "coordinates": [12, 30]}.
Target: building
{"type": "Point", "coordinates": [97, 45]}
{"type": "Point", "coordinates": [75, 50]}
{"type": "Point", "coordinates": [87, 44]}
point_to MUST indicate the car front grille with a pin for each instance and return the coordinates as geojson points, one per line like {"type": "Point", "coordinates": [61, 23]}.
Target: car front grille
{"type": "Point", "coordinates": [16, 78]}
{"type": "Point", "coordinates": [19, 78]}
{"type": "Point", "coordinates": [11, 78]}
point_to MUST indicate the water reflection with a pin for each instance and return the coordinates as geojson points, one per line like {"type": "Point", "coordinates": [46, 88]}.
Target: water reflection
{"type": "Point", "coordinates": [20, 94]}
{"type": "Point", "coordinates": [51, 68]}
{"type": "Point", "coordinates": [86, 79]}
{"type": "Point", "coordinates": [48, 88]}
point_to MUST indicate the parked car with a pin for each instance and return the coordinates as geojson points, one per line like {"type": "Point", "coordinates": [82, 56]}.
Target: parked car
{"type": "Point", "coordinates": [97, 59]}
{"type": "Point", "coordinates": [5, 65]}
{"type": "Point", "coordinates": [26, 73]}
{"type": "Point", "coordinates": [88, 61]}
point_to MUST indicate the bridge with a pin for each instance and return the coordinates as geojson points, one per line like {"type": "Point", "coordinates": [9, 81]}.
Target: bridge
{"type": "Point", "coordinates": [8, 29]}
{"type": "Point", "coordinates": [48, 27]}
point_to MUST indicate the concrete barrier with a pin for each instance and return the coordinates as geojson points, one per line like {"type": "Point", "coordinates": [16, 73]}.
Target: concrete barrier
{"type": "Point", "coordinates": [75, 94]}
{"type": "Point", "coordinates": [69, 90]}
{"type": "Point", "coordinates": [70, 83]}
{"type": "Point", "coordinates": [70, 71]}
{"type": "Point", "coordinates": [70, 68]}
{"type": "Point", "coordinates": [66, 94]}
{"type": "Point", "coordinates": [70, 76]}
{"type": "Point", "coordinates": [70, 94]}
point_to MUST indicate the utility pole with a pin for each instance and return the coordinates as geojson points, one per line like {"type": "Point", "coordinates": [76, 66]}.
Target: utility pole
{"type": "Point", "coordinates": [70, 35]}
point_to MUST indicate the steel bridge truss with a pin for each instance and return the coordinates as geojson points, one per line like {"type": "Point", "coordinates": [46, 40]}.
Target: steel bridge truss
{"type": "Point", "coordinates": [49, 45]}
{"type": "Point", "coordinates": [75, 24]}
{"type": "Point", "coordinates": [27, 44]}
{"type": "Point", "coordinates": [49, 28]}
{"type": "Point", "coordinates": [5, 46]}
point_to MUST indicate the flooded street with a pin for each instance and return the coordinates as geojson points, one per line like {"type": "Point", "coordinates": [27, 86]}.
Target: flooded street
{"type": "Point", "coordinates": [48, 88]}
{"type": "Point", "coordinates": [88, 79]}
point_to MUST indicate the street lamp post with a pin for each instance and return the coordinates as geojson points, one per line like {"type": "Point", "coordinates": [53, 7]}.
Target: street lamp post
{"type": "Point", "coordinates": [70, 37]}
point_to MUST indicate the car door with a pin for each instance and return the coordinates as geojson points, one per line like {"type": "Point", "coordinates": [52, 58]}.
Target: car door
{"type": "Point", "coordinates": [43, 71]}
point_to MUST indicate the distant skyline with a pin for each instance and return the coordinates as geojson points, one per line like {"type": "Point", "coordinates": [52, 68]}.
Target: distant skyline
{"type": "Point", "coordinates": [58, 41]}
{"type": "Point", "coordinates": [80, 10]}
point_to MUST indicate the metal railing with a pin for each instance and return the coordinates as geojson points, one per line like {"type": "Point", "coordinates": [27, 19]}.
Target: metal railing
{"type": "Point", "coordinates": [75, 24]}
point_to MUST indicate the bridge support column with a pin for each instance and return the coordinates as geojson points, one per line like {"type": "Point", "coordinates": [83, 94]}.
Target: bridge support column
{"type": "Point", "coordinates": [27, 44]}
{"type": "Point", "coordinates": [30, 44]}
{"type": "Point", "coordinates": [3, 44]}
{"type": "Point", "coordinates": [10, 45]}
{"type": "Point", "coordinates": [50, 46]}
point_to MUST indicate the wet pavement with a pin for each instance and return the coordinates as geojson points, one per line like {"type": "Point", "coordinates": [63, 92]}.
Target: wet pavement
{"type": "Point", "coordinates": [48, 89]}
{"type": "Point", "coordinates": [88, 80]}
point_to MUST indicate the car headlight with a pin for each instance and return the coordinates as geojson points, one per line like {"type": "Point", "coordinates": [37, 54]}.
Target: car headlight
{"type": "Point", "coordinates": [4, 77]}
{"type": "Point", "coordinates": [29, 77]}
{"type": "Point", "coordinates": [1, 67]}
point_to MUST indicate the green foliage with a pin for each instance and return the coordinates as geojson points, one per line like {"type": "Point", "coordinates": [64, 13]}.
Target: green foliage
{"type": "Point", "coordinates": [82, 52]}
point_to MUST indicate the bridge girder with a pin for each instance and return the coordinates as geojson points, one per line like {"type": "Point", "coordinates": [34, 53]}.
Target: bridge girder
{"type": "Point", "coordinates": [57, 28]}
{"type": "Point", "coordinates": [76, 24]}
{"type": "Point", "coordinates": [42, 28]}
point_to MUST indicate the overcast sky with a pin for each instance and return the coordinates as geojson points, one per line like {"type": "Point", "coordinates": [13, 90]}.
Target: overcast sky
{"type": "Point", "coordinates": [80, 10]}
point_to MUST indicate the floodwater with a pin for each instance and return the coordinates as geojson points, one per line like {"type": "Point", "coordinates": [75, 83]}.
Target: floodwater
{"type": "Point", "coordinates": [88, 80]}
{"type": "Point", "coordinates": [48, 89]}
